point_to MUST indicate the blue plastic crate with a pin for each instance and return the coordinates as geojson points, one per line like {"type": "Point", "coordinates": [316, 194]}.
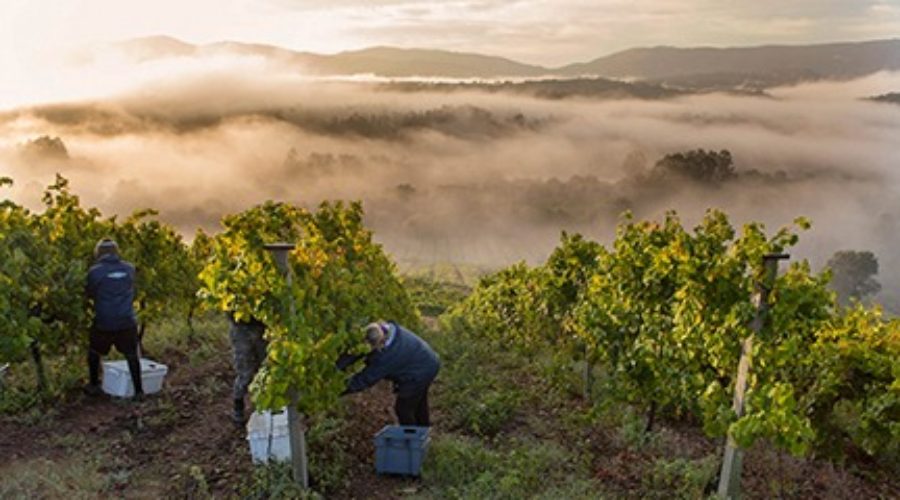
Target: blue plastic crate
{"type": "Point", "coordinates": [400, 449]}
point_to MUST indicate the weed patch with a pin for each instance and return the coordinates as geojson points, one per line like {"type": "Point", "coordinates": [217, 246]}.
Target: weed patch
{"type": "Point", "coordinates": [681, 478]}
{"type": "Point", "coordinates": [465, 468]}
{"type": "Point", "coordinates": [42, 478]}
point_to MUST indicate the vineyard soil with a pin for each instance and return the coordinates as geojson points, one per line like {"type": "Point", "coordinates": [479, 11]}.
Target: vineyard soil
{"type": "Point", "coordinates": [179, 443]}
{"type": "Point", "coordinates": [505, 428]}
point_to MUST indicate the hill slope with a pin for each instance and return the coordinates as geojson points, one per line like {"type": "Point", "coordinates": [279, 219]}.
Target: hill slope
{"type": "Point", "coordinates": [767, 64]}
{"type": "Point", "coordinates": [380, 61]}
{"type": "Point", "coordinates": [705, 67]}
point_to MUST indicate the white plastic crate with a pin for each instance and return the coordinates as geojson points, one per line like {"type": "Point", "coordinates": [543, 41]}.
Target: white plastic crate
{"type": "Point", "coordinates": [117, 378]}
{"type": "Point", "coordinates": [268, 436]}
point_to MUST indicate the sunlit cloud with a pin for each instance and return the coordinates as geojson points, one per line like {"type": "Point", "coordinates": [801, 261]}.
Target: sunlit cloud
{"type": "Point", "coordinates": [540, 31]}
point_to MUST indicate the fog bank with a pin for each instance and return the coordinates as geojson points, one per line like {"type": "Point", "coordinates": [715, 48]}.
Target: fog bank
{"type": "Point", "coordinates": [468, 176]}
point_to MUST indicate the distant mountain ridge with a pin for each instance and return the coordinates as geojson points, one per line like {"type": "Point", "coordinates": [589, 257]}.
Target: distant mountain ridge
{"type": "Point", "coordinates": [379, 61]}
{"type": "Point", "coordinates": [757, 67]}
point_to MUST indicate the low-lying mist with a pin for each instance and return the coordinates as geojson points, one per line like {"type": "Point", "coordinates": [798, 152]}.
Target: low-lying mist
{"type": "Point", "coordinates": [470, 176]}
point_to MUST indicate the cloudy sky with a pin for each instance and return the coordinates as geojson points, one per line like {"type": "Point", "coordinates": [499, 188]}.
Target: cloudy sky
{"type": "Point", "coordinates": [39, 37]}
{"type": "Point", "coordinates": [551, 32]}
{"type": "Point", "coordinates": [844, 140]}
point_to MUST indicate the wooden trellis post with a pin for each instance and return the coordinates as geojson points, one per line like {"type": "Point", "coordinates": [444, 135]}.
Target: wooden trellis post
{"type": "Point", "coordinates": [297, 439]}
{"type": "Point", "coordinates": [730, 475]}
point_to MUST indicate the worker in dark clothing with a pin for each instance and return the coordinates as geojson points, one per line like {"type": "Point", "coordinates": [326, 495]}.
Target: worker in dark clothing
{"type": "Point", "coordinates": [249, 346]}
{"type": "Point", "coordinates": [110, 285]}
{"type": "Point", "coordinates": [406, 360]}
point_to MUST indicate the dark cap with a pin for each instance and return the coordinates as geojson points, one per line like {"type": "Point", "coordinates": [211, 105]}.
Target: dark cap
{"type": "Point", "coordinates": [106, 246]}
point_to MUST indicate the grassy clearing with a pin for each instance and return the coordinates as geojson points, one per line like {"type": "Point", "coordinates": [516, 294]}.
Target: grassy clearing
{"type": "Point", "coordinates": [444, 272]}
{"type": "Point", "coordinates": [433, 298]}
{"type": "Point", "coordinates": [75, 477]}
{"type": "Point", "coordinates": [468, 468]}
{"type": "Point", "coordinates": [505, 438]}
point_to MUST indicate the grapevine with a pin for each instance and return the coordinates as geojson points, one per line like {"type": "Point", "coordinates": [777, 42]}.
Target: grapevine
{"type": "Point", "coordinates": [665, 309]}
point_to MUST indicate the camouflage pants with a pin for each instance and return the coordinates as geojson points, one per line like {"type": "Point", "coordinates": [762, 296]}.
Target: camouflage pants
{"type": "Point", "coordinates": [249, 348]}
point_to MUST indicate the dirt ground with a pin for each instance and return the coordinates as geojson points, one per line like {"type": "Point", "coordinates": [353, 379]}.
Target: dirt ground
{"type": "Point", "coordinates": [181, 441]}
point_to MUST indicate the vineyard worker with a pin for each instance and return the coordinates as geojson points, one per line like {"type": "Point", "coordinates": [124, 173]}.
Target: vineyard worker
{"type": "Point", "coordinates": [406, 360]}
{"type": "Point", "coordinates": [249, 346]}
{"type": "Point", "coordinates": [110, 285]}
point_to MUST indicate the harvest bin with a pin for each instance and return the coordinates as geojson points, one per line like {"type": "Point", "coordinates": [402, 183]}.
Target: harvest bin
{"type": "Point", "coordinates": [117, 378]}
{"type": "Point", "coordinates": [268, 436]}
{"type": "Point", "coordinates": [400, 449]}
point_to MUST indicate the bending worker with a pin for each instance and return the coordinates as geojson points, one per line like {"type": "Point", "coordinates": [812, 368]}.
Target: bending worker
{"type": "Point", "coordinates": [248, 344]}
{"type": "Point", "coordinates": [406, 360]}
{"type": "Point", "coordinates": [110, 285]}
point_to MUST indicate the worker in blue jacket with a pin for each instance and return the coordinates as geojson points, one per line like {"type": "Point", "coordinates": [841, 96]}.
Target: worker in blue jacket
{"type": "Point", "coordinates": [402, 357]}
{"type": "Point", "coordinates": [110, 285]}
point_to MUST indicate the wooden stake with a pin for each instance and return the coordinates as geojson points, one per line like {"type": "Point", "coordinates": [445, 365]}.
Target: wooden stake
{"type": "Point", "coordinates": [732, 462]}
{"type": "Point", "coordinates": [296, 436]}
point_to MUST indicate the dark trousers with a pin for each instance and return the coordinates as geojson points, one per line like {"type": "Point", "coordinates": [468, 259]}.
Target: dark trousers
{"type": "Point", "coordinates": [249, 347]}
{"type": "Point", "coordinates": [126, 342]}
{"type": "Point", "coordinates": [413, 409]}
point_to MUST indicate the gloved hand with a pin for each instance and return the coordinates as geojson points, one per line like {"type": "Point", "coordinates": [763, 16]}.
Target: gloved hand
{"type": "Point", "coordinates": [346, 360]}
